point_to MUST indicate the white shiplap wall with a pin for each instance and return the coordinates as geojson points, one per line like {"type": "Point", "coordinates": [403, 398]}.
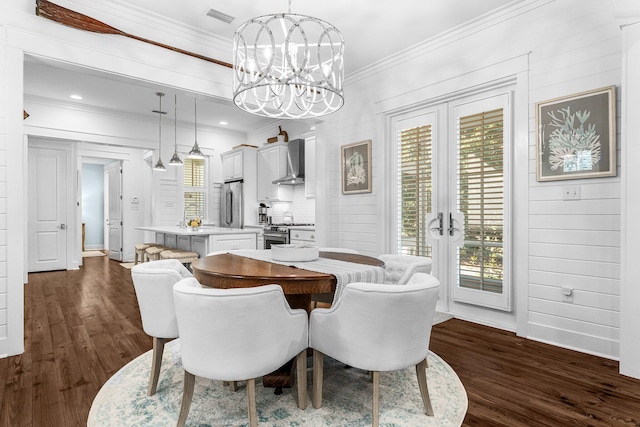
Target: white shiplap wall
{"type": "Point", "coordinates": [572, 46]}
{"type": "Point", "coordinates": [3, 201]}
{"type": "Point", "coordinates": [574, 244]}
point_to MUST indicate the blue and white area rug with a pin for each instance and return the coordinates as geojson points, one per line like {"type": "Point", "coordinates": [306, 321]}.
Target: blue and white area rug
{"type": "Point", "coordinates": [347, 394]}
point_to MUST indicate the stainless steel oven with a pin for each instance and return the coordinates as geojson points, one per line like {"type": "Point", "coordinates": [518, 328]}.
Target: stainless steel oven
{"type": "Point", "coordinates": [275, 236]}
{"type": "Point", "coordinates": [278, 234]}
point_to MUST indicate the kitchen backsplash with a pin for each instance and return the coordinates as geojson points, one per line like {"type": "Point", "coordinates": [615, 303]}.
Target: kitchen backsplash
{"type": "Point", "coordinates": [303, 209]}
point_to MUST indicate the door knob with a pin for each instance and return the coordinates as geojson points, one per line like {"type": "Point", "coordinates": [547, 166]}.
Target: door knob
{"type": "Point", "coordinates": [62, 226]}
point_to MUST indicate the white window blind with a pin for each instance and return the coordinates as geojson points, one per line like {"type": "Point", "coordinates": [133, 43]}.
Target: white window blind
{"type": "Point", "coordinates": [195, 188]}
{"type": "Point", "coordinates": [481, 198]}
{"type": "Point", "coordinates": [414, 189]}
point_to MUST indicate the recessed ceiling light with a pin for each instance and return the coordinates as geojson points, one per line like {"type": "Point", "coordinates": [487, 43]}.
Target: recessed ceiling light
{"type": "Point", "coordinates": [224, 123]}
{"type": "Point", "coordinates": [74, 96]}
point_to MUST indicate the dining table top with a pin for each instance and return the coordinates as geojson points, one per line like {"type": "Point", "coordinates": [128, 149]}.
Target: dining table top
{"type": "Point", "coordinates": [228, 270]}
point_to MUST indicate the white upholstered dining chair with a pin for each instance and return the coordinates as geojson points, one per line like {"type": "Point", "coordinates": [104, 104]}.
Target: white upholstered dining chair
{"type": "Point", "coordinates": [398, 269]}
{"type": "Point", "coordinates": [153, 282]}
{"type": "Point", "coordinates": [236, 335]}
{"type": "Point", "coordinates": [382, 328]}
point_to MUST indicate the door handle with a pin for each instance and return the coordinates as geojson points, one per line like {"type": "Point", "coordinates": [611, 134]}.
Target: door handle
{"type": "Point", "coordinates": [229, 202]}
{"type": "Point", "coordinates": [62, 226]}
{"type": "Point", "coordinates": [440, 223]}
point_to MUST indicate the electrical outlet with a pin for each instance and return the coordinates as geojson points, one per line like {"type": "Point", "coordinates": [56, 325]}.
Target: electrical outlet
{"type": "Point", "coordinates": [571, 192]}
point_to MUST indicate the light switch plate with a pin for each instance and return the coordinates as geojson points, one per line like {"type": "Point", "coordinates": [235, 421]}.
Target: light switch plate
{"type": "Point", "coordinates": [571, 192]}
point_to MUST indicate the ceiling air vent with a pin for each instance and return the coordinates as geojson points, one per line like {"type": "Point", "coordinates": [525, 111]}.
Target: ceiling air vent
{"type": "Point", "coordinates": [220, 16]}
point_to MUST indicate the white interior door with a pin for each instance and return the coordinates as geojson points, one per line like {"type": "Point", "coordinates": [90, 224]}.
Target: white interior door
{"type": "Point", "coordinates": [47, 222]}
{"type": "Point", "coordinates": [113, 173]}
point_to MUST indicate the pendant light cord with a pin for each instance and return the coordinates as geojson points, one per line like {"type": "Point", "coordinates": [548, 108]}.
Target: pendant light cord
{"type": "Point", "coordinates": [160, 128]}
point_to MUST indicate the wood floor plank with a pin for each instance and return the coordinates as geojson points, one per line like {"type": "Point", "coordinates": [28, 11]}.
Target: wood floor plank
{"type": "Point", "coordinates": [512, 381]}
{"type": "Point", "coordinates": [82, 326]}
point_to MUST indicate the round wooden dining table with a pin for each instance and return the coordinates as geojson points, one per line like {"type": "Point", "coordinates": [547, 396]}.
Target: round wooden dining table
{"type": "Point", "coordinates": [227, 270]}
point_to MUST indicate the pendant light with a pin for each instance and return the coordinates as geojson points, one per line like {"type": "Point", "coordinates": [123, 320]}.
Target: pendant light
{"type": "Point", "coordinates": [159, 165]}
{"type": "Point", "coordinates": [175, 160]}
{"type": "Point", "coordinates": [195, 152]}
{"type": "Point", "coordinates": [288, 66]}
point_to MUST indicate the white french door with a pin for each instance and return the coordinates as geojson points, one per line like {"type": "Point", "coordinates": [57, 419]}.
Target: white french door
{"type": "Point", "coordinates": [452, 195]}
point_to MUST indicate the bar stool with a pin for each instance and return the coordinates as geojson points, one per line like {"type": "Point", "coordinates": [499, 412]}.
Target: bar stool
{"type": "Point", "coordinates": [153, 252]}
{"type": "Point", "coordinates": [185, 257]}
{"type": "Point", "coordinates": [140, 248]}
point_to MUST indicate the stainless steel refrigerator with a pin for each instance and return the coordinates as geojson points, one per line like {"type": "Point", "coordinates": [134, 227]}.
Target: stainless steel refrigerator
{"type": "Point", "coordinates": [231, 207]}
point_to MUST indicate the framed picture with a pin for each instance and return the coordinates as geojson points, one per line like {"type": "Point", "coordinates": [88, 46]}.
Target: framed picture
{"type": "Point", "coordinates": [356, 167]}
{"type": "Point", "coordinates": [576, 136]}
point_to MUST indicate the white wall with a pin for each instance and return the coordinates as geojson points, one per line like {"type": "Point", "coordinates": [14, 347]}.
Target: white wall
{"type": "Point", "coordinates": [4, 294]}
{"type": "Point", "coordinates": [570, 46]}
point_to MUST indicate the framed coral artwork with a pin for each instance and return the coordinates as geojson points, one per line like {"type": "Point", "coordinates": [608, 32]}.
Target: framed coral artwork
{"type": "Point", "coordinates": [356, 167]}
{"type": "Point", "coordinates": [576, 136]}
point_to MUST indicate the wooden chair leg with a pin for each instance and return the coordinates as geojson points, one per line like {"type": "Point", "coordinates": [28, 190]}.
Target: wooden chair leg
{"type": "Point", "coordinates": [187, 395]}
{"type": "Point", "coordinates": [376, 399]}
{"type": "Point", "coordinates": [233, 386]}
{"type": "Point", "coordinates": [318, 367]}
{"type": "Point", "coordinates": [301, 374]}
{"type": "Point", "coordinates": [421, 369]}
{"type": "Point", "coordinates": [251, 402]}
{"type": "Point", "coordinates": [156, 362]}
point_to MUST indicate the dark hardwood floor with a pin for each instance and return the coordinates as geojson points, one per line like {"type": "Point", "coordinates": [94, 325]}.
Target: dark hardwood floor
{"type": "Point", "coordinates": [82, 326]}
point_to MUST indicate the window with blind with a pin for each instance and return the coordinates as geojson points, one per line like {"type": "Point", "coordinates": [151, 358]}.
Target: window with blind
{"type": "Point", "coordinates": [195, 188]}
{"type": "Point", "coordinates": [414, 189]}
{"type": "Point", "coordinates": [481, 198]}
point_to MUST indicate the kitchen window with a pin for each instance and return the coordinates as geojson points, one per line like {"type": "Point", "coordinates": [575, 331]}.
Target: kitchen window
{"type": "Point", "coordinates": [195, 188]}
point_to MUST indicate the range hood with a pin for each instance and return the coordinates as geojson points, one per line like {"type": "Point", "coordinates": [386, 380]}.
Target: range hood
{"type": "Point", "coordinates": [295, 164]}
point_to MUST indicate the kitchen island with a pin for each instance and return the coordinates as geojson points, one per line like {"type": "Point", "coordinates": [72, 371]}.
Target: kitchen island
{"type": "Point", "coordinates": [205, 239]}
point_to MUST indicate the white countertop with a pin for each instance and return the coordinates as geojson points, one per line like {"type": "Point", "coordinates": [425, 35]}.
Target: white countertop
{"type": "Point", "coordinates": [302, 227]}
{"type": "Point", "coordinates": [202, 231]}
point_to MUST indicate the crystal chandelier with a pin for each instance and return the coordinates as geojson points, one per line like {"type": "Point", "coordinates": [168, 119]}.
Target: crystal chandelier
{"type": "Point", "coordinates": [288, 66]}
{"type": "Point", "coordinates": [159, 165]}
{"type": "Point", "coordinates": [175, 160]}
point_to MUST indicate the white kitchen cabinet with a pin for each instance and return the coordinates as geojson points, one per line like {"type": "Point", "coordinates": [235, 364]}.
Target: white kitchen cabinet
{"type": "Point", "coordinates": [310, 168]}
{"type": "Point", "coordinates": [171, 240]}
{"type": "Point", "coordinates": [204, 243]}
{"type": "Point", "coordinates": [272, 164]}
{"type": "Point", "coordinates": [160, 239]}
{"type": "Point", "coordinates": [200, 244]}
{"type": "Point", "coordinates": [239, 163]}
{"type": "Point", "coordinates": [184, 243]}
{"type": "Point", "coordinates": [302, 236]}
{"type": "Point", "coordinates": [225, 242]}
